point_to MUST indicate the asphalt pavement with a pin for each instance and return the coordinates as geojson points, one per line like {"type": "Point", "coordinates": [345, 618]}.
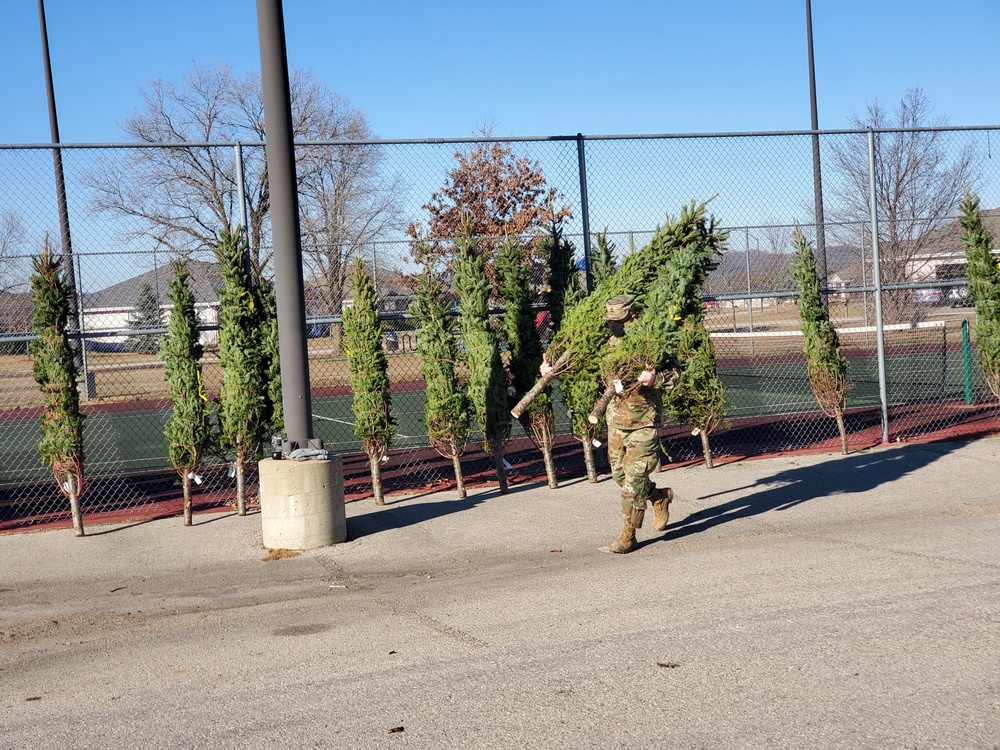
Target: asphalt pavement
{"type": "Point", "coordinates": [818, 601]}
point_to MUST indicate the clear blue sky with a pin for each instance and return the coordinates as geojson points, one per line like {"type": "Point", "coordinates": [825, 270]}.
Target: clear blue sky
{"type": "Point", "coordinates": [442, 69]}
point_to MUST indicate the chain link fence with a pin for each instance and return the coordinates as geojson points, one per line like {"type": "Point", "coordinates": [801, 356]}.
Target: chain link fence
{"type": "Point", "coordinates": [903, 315]}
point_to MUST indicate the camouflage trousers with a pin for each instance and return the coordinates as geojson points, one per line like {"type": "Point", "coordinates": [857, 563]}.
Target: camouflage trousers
{"type": "Point", "coordinates": [634, 455]}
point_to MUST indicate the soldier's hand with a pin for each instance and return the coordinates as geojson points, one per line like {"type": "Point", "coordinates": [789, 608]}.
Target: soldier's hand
{"type": "Point", "coordinates": [647, 377]}
{"type": "Point", "coordinates": [545, 369]}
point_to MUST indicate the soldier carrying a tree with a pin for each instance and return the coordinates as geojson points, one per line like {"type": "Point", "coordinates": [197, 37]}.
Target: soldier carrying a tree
{"type": "Point", "coordinates": [634, 418]}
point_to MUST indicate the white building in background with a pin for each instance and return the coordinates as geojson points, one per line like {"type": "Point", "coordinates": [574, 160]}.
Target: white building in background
{"type": "Point", "coordinates": [105, 313]}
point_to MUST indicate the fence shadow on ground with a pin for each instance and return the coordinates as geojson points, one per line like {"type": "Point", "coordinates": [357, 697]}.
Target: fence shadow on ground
{"type": "Point", "coordinates": [856, 473]}
{"type": "Point", "coordinates": [401, 513]}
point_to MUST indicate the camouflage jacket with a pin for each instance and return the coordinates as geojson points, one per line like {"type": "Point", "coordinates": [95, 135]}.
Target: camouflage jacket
{"type": "Point", "coordinates": [642, 407]}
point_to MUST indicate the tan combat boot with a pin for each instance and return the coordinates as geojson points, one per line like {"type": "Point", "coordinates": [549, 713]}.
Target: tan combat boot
{"type": "Point", "coordinates": [660, 497]}
{"type": "Point", "coordinates": [625, 542]}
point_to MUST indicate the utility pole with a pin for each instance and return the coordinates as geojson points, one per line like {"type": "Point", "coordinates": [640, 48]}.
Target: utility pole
{"type": "Point", "coordinates": [69, 271]}
{"type": "Point", "coordinates": [817, 172]}
{"type": "Point", "coordinates": [301, 502]}
{"type": "Point", "coordinates": [288, 282]}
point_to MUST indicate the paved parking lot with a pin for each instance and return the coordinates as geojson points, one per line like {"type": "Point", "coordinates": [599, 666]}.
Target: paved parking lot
{"type": "Point", "coordinates": [807, 601]}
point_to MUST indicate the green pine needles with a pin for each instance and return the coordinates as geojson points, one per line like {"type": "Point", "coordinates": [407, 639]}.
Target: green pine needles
{"type": "Point", "coordinates": [61, 444]}
{"type": "Point", "coordinates": [581, 388]}
{"type": "Point", "coordinates": [145, 314]}
{"type": "Point", "coordinates": [245, 406]}
{"type": "Point", "coordinates": [446, 407]}
{"type": "Point", "coordinates": [486, 379]}
{"type": "Point", "coordinates": [826, 368]}
{"type": "Point", "coordinates": [602, 257]}
{"type": "Point", "coordinates": [699, 398]}
{"type": "Point", "coordinates": [651, 342]}
{"type": "Point", "coordinates": [524, 346]}
{"type": "Point", "coordinates": [188, 430]}
{"type": "Point", "coordinates": [583, 333]}
{"type": "Point", "coordinates": [984, 286]}
{"type": "Point", "coordinates": [369, 368]}
{"type": "Point", "coordinates": [564, 284]}
{"type": "Point", "coordinates": [274, 418]}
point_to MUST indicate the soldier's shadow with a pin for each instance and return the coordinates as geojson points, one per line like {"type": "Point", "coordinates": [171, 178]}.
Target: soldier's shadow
{"type": "Point", "coordinates": [857, 473]}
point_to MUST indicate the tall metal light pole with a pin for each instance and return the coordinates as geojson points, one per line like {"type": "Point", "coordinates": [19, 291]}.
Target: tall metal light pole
{"type": "Point", "coordinates": [817, 172]}
{"type": "Point", "coordinates": [69, 272]}
{"type": "Point", "coordinates": [301, 502]}
{"type": "Point", "coordinates": [297, 402]}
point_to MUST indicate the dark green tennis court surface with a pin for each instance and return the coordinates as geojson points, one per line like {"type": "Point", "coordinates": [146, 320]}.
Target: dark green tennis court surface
{"type": "Point", "coordinates": [129, 441]}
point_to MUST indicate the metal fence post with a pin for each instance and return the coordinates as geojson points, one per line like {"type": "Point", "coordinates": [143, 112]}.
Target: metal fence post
{"type": "Point", "coordinates": [241, 199]}
{"type": "Point", "coordinates": [966, 362]}
{"type": "Point", "coordinates": [877, 278]}
{"type": "Point", "coordinates": [581, 158]}
{"type": "Point", "coordinates": [749, 298]}
{"type": "Point", "coordinates": [89, 379]}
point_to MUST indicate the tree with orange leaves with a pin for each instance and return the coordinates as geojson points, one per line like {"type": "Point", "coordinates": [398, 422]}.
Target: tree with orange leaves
{"type": "Point", "coordinates": [498, 194]}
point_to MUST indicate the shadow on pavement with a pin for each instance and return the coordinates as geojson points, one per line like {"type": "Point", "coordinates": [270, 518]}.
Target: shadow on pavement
{"type": "Point", "coordinates": [407, 513]}
{"type": "Point", "coordinates": [398, 515]}
{"type": "Point", "coordinates": [859, 472]}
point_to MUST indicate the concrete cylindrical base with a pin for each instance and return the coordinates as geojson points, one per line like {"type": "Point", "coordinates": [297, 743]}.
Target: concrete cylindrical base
{"type": "Point", "coordinates": [302, 503]}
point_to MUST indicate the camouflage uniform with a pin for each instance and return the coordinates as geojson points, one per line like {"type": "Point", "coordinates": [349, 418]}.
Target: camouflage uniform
{"type": "Point", "coordinates": [634, 421]}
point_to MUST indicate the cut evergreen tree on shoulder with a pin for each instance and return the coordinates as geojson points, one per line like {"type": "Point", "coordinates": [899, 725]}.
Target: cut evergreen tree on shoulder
{"type": "Point", "coordinates": [524, 347]}
{"type": "Point", "coordinates": [486, 379]}
{"type": "Point", "coordinates": [61, 444]}
{"type": "Point", "coordinates": [145, 314]}
{"type": "Point", "coordinates": [984, 286]}
{"type": "Point", "coordinates": [188, 430]}
{"type": "Point", "coordinates": [652, 341]}
{"type": "Point", "coordinates": [446, 408]}
{"type": "Point", "coordinates": [699, 398]}
{"type": "Point", "coordinates": [826, 367]}
{"type": "Point", "coordinates": [369, 368]}
{"type": "Point", "coordinates": [583, 333]}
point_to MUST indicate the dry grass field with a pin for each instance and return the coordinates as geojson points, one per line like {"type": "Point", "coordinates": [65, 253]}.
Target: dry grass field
{"type": "Point", "coordinates": [119, 377]}
{"type": "Point", "coordinates": [123, 377]}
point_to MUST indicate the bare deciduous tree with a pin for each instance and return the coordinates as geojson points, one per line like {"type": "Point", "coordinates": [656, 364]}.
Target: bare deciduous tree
{"type": "Point", "coordinates": [919, 180]}
{"type": "Point", "coordinates": [13, 265]}
{"type": "Point", "coordinates": [345, 206]}
{"type": "Point", "coordinates": [181, 196]}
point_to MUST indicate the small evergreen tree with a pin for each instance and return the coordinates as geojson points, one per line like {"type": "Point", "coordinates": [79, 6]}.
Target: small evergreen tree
{"type": "Point", "coordinates": [145, 314]}
{"type": "Point", "coordinates": [61, 445]}
{"type": "Point", "coordinates": [446, 407]}
{"type": "Point", "coordinates": [984, 286]}
{"type": "Point", "coordinates": [524, 346]}
{"type": "Point", "coordinates": [369, 368]}
{"type": "Point", "coordinates": [699, 398]}
{"type": "Point", "coordinates": [188, 431]}
{"type": "Point", "coordinates": [486, 378]}
{"type": "Point", "coordinates": [563, 286]}
{"type": "Point", "coordinates": [581, 387]}
{"type": "Point", "coordinates": [274, 418]}
{"type": "Point", "coordinates": [603, 252]}
{"type": "Point", "coordinates": [243, 398]}
{"type": "Point", "coordinates": [826, 367]}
